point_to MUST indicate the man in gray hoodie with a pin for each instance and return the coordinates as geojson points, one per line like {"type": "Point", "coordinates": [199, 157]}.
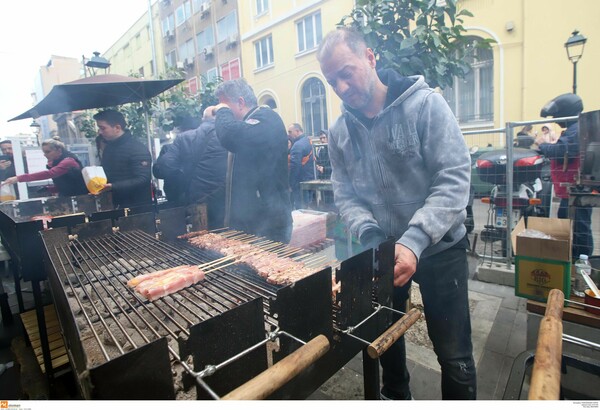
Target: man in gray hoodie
{"type": "Point", "coordinates": [401, 169]}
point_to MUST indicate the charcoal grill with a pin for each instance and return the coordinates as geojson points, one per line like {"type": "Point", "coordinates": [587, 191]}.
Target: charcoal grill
{"type": "Point", "coordinates": [124, 347]}
{"type": "Point", "coordinates": [20, 224]}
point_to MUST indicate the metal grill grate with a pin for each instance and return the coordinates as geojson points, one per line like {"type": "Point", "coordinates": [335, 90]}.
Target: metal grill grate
{"type": "Point", "coordinates": [112, 319]}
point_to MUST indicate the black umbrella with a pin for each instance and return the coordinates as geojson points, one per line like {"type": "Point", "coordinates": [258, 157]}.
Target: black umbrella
{"type": "Point", "coordinates": [100, 91]}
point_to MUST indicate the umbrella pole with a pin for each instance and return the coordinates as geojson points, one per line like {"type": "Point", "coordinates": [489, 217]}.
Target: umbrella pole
{"type": "Point", "coordinates": [148, 136]}
{"type": "Point", "coordinates": [150, 148]}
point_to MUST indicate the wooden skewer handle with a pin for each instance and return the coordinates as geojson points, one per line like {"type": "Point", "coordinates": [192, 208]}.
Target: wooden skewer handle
{"type": "Point", "coordinates": [545, 377]}
{"type": "Point", "coordinates": [393, 333]}
{"type": "Point", "coordinates": [283, 371]}
{"type": "Point", "coordinates": [555, 303]}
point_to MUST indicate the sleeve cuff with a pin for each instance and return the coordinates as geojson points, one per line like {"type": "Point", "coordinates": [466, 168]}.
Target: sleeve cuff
{"type": "Point", "coordinates": [365, 226]}
{"type": "Point", "coordinates": [416, 240]}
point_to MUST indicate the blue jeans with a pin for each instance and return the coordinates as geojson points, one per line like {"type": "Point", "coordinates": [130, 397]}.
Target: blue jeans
{"type": "Point", "coordinates": [583, 241]}
{"type": "Point", "coordinates": [443, 280]}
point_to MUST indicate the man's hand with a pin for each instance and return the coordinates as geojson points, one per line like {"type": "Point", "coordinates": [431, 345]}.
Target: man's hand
{"type": "Point", "coordinates": [5, 164]}
{"type": "Point", "coordinates": [105, 188]}
{"type": "Point", "coordinates": [320, 168]}
{"type": "Point", "coordinates": [218, 107]}
{"type": "Point", "coordinates": [405, 265]}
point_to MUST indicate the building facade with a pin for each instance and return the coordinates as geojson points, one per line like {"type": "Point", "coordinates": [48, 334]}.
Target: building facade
{"type": "Point", "coordinates": [273, 45]}
{"type": "Point", "coordinates": [201, 39]}
{"type": "Point", "coordinates": [525, 67]}
{"type": "Point", "coordinates": [279, 44]}
{"type": "Point", "coordinates": [58, 70]}
{"type": "Point", "coordinates": [139, 51]}
{"type": "Point", "coordinates": [528, 64]}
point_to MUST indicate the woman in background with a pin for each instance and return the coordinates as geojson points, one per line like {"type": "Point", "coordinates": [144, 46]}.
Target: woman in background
{"type": "Point", "coordinates": [64, 168]}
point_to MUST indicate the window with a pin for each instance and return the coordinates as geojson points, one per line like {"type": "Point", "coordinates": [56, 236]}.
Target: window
{"type": "Point", "coordinates": [309, 32]}
{"type": "Point", "coordinates": [472, 98]}
{"type": "Point", "coordinates": [227, 27]}
{"type": "Point", "coordinates": [171, 59]}
{"type": "Point", "coordinates": [262, 6]}
{"type": "Point", "coordinates": [182, 13]}
{"type": "Point", "coordinates": [196, 4]}
{"type": "Point", "coordinates": [192, 84]}
{"type": "Point", "coordinates": [168, 25]}
{"type": "Point", "coordinates": [264, 52]}
{"type": "Point", "coordinates": [314, 111]}
{"type": "Point", "coordinates": [205, 38]}
{"type": "Point", "coordinates": [186, 51]}
{"type": "Point", "coordinates": [230, 70]}
{"type": "Point", "coordinates": [211, 75]}
{"type": "Point", "coordinates": [141, 71]}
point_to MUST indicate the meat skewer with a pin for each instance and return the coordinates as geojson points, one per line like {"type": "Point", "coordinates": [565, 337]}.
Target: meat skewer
{"type": "Point", "coordinates": [270, 259]}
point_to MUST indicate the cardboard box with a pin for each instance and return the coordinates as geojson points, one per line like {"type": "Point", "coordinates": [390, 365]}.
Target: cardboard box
{"type": "Point", "coordinates": [542, 264]}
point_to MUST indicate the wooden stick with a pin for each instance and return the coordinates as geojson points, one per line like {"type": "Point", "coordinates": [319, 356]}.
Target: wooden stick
{"type": "Point", "coordinates": [545, 378]}
{"type": "Point", "coordinates": [283, 371]}
{"type": "Point", "coordinates": [392, 334]}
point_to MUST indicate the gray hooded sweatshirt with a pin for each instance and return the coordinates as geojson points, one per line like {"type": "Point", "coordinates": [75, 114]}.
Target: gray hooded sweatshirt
{"type": "Point", "coordinates": [408, 172]}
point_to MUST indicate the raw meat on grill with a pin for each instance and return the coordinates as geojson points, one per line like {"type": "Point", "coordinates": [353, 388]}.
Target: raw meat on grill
{"type": "Point", "coordinates": [155, 285]}
{"type": "Point", "coordinates": [274, 268]}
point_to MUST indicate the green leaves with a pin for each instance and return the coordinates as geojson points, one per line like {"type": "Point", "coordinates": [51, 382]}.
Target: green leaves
{"type": "Point", "coordinates": [416, 37]}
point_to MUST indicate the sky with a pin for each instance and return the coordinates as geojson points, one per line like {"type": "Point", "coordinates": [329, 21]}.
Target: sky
{"type": "Point", "coordinates": [32, 31]}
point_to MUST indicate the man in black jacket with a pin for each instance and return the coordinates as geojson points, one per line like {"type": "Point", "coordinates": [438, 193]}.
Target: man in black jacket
{"type": "Point", "coordinates": [258, 200]}
{"type": "Point", "coordinates": [195, 165]}
{"type": "Point", "coordinates": [126, 162]}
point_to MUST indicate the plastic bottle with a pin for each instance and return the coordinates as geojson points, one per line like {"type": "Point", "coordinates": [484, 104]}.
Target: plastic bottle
{"type": "Point", "coordinates": [582, 265]}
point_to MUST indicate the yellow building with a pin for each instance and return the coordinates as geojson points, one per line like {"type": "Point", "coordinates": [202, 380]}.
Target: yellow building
{"type": "Point", "coordinates": [279, 43]}
{"type": "Point", "coordinates": [133, 52]}
{"type": "Point", "coordinates": [526, 67]}
{"type": "Point", "coordinates": [530, 63]}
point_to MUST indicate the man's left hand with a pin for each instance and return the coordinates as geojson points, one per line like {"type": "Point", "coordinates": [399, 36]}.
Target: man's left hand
{"type": "Point", "coordinates": [405, 265]}
{"type": "Point", "coordinates": [107, 187]}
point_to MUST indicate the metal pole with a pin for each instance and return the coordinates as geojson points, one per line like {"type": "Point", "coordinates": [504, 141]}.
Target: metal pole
{"type": "Point", "coordinates": [152, 44]}
{"type": "Point", "coordinates": [509, 192]}
{"type": "Point", "coordinates": [574, 77]}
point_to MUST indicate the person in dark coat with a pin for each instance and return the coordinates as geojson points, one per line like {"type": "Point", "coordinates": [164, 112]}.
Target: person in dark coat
{"type": "Point", "coordinates": [258, 200]}
{"type": "Point", "coordinates": [64, 168]}
{"type": "Point", "coordinates": [7, 164]}
{"type": "Point", "coordinates": [565, 164]}
{"type": "Point", "coordinates": [126, 162]}
{"type": "Point", "coordinates": [302, 164]}
{"type": "Point", "coordinates": [322, 162]}
{"type": "Point", "coordinates": [194, 168]}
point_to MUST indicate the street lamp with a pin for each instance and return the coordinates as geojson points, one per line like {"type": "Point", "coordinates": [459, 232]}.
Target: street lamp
{"type": "Point", "coordinates": [36, 129]}
{"type": "Point", "coordinates": [95, 62]}
{"type": "Point", "coordinates": [574, 46]}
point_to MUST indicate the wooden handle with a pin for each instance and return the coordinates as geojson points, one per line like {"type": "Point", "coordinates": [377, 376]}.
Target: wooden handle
{"type": "Point", "coordinates": [277, 375]}
{"type": "Point", "coordinates": [393, 333]}
{"type": "Point", "coordinates": [545, 378]}
{"type": "Point", "coordinates": [555, 303]}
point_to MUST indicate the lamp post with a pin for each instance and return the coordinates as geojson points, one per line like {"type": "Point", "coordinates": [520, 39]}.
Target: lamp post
{"type": "Point", "coordinates": [95, 62]}
{"type": "Point", "coordinates": [36, 129]}
{"type": "Point", "coordinates": [574, 46]}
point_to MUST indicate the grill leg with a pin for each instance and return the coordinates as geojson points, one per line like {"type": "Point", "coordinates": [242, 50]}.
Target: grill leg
{"type": "Point", "coordinates": [41, 319]}
{"type": "Point", "coordinates": [7, 318]}
{"type": "Point", "coordinates": [18, 292]}
{"type": "Point", "coordinates": [371, 376]}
